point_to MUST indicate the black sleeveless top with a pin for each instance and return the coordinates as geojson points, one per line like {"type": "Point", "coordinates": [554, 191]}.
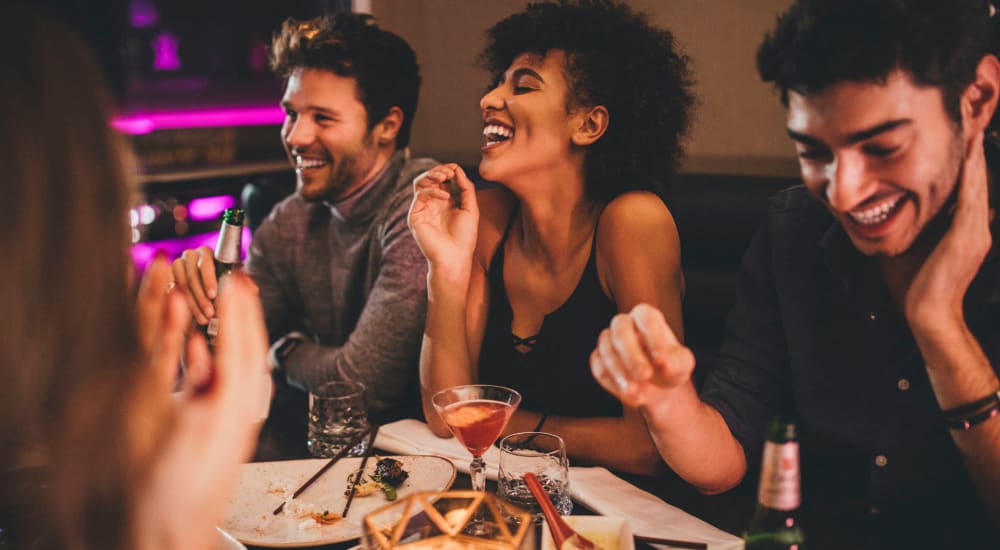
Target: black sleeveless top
{"type": "Point", "coordinates": [554, 376]}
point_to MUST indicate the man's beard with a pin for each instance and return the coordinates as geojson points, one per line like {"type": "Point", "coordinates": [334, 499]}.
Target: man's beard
{"type": "Point", "coordinates": [940, 221]}
{"type": "Point", "coordinates": [341, 171]}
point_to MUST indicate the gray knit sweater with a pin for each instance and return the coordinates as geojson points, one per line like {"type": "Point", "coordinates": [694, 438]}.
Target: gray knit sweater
{"type": "Point", "coordinates": [350, 276]}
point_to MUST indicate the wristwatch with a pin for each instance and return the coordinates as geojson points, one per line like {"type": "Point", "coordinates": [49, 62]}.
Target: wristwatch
{"type": "Point", "coordinates": [283, 348]}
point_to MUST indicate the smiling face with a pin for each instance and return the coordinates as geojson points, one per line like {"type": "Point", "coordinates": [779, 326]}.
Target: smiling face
{"type": "Point", "coordinates": [884, 158]}
{"type": "Point", "coordinates": [326, 135]}
{"type": "Point", "coordinates": [527, 125]}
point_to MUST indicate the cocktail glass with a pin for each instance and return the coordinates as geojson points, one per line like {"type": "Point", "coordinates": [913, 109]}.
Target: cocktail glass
{"type": "Point", "coordinates": [476, 414]}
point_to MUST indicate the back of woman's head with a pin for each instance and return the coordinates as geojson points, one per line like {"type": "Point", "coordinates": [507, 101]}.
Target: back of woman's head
{"type": "Point", "coordinates": [615, 58]}
{"type": "Point", "coordinates": [69, 352]}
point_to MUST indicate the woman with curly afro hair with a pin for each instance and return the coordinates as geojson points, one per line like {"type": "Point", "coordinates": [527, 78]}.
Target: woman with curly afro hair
{"type": "Point", "coordinates": [582, 128]}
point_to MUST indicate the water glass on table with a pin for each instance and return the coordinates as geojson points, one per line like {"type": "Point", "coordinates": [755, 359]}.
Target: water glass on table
{"type": "Point", "coordinates": [542, 454]}
{"type": "Point", "coordinates": [338, 412]}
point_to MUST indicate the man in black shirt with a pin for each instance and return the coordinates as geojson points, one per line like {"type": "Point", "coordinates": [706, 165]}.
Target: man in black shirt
{"type": "Point", "coordinates": [869, 301]}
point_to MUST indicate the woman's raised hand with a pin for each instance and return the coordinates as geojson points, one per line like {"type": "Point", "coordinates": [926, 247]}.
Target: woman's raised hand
{"type": "Point", "coordinates": [197, 438]}
{"type": "Point", "coordinates": [444, 216]}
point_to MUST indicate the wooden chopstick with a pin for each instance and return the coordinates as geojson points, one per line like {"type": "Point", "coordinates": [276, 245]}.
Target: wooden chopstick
{"type": "Point", "coordinates": [672, 542]}
{"type": "Point", "coordinates": [361, 471]}
{"type": "Point", "coordinates": [340, 454]}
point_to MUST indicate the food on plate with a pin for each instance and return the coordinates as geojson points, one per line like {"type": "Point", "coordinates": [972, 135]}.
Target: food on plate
{"type": "Point", "coordinates": [326, 518]}
{"type": "Point", "coordinates": [389, 474]}
{"type": "Point", "coordinates": [390, 470]}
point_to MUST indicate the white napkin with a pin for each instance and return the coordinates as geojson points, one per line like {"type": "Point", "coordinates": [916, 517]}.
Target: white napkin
{"type": "Point", "coordinates": [413, 437]}
{"type": "Point", "coordinates": [596, 488]}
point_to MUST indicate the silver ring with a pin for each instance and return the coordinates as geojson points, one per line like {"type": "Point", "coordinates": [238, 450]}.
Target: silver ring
{"type": "Point", "coordinates": [170, 287]}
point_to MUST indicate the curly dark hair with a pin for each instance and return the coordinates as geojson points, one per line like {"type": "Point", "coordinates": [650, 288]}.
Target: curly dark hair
{"type": "Point", "coordinates": [353, 45]}
{"type": "Point", "coordinates": [818, 43]}
{"type": "Point", "coordinates": [617, 59]}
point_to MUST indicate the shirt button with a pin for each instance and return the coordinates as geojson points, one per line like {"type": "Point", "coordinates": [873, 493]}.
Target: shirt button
{"type": "Point", "coordinates": [872, 316]}
{"type": "Point", "coordinates": [903, 384]}
{"type": "Point", "coordinates": [881, 461]}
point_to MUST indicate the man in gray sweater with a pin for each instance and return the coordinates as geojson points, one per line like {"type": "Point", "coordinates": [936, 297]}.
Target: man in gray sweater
{"type": "Point", "coordinates": [341, 280]}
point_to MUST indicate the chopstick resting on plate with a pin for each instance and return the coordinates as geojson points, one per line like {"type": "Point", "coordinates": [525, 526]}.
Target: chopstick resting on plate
{"type": "Point", "coordinates": [361, 471]}
{"type": "Point", "coordinates": [340, 454]}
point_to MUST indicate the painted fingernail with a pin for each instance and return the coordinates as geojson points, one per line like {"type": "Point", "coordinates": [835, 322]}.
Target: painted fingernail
{"type": "Point", "coordinates": [211, 294]}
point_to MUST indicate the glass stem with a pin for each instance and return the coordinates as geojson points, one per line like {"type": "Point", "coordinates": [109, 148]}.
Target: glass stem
{"type": "Point", "coordinates": [477, 470]}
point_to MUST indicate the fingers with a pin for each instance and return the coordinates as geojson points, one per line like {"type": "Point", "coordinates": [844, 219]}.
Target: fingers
{"type": "Point", "coordinates": [166, 350]}
{"type": "Point", "coordinates": [150, 300]}
{"type": "Point", "coordinates": [972, 208]}
{"type": "Point", "coordinates": [449, 181]}
{"type": "Point", "coordinates": [637, 351]}
{"type": "Point", "coordinates": [241, 351]}
{"type": "Point", "coordinates": [194, 272]}
{"type": "Point", "coordinates": [658, 340]}
{"type": "Point", "coordinates": [467, 191]}
{"type": "Point", "coordinates": [611, 371]}
{"type": "Point", "coordinates": [199, 375]}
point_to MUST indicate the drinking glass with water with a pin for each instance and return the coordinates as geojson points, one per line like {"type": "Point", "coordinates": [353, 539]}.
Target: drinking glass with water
{"type": "Point", "coordinates": [542, 453]}
{"type": "Point", "coordinates": [338, 413]}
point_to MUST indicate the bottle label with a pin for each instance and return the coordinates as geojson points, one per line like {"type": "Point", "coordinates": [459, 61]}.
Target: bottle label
{"type": "Point", "coordinates": [779, 478]}
{"type": "Point", "coordinates": [229, 248]}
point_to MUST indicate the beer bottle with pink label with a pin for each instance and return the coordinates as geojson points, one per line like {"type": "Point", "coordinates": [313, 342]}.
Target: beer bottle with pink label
{"type": "Point", "coordinates": [775, 524]}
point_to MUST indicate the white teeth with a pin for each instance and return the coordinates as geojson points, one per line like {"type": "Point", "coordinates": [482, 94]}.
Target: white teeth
{"type": "Point", "coordinates": [496, 133]}
{"type": "Point", "coordinates": [306, 164]}
{"type": "Point", "coordinates": [876, 214]}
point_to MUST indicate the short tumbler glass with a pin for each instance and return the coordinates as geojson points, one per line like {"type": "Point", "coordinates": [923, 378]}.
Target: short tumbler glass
{"type": "Point", "coordinates": [338, 413]}
{"type": "Point", "coordinates": [542, 453]}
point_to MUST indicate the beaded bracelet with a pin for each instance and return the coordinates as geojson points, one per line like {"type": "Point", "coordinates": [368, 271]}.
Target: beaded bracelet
{"type": "Point", "coordinates": [977, 412]}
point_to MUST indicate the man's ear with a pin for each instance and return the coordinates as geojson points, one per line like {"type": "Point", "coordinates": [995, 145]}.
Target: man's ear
{"type": "Point", "coordinates": [979, 101]}
{"type": "Point", "coordinates": [591, 125]}
{"type": "Point", "coordinates": [387, 129]}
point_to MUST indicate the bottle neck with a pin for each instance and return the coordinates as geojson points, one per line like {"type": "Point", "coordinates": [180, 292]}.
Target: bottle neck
{"type": "Point", "coordinates": [229, 248]}
{"type": "Point", "coordinates": [779, 478]}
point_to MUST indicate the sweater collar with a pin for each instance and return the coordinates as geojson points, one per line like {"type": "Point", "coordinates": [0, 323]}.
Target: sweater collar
{"type": "Point", "coordinates": [361, 206]}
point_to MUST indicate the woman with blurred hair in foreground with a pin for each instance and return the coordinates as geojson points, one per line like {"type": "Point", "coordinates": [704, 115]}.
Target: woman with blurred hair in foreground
{"type": "Point", "coordinates": [86, 371]}
{"type": "Point", "coordinates": [582, 128]}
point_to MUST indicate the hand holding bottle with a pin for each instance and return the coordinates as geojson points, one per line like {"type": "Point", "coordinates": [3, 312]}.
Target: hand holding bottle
{"type": "Point", "coordinates": [199, 272]}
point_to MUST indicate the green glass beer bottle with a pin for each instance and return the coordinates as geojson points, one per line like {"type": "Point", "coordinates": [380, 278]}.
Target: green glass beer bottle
{"type": "Point", "coordinates": [228, 258]}
{"type": "Point", "coordinates": [775, 524]}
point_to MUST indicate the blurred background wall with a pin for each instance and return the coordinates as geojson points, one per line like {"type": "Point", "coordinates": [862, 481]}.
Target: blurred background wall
{"type": "Point", "coordinates": [739, 125]}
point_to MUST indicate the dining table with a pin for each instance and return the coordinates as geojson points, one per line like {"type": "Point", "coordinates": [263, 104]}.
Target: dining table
{"type": "Point", "coordinates": [729, 511]}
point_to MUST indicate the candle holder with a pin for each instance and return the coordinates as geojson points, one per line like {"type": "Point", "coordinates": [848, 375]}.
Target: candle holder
{"type": "Point", "coordinates": [447, 520]}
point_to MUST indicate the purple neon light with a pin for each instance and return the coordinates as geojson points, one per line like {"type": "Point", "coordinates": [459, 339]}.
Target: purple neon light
{"type": "Point", "coordinates": [204, 209]}
{"type": "Point", "coordinates": [146, 122]}
{"type": "Point", "coordinates": [144, 253]}
{"type": "Point", "coordinates": [142, 14]}
{"type": "Point", "coordinates": [165, 56]}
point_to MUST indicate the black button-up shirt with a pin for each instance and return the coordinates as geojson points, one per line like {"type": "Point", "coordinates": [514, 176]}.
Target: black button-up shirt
{"type": "Point", "coordinates": [814, 332]}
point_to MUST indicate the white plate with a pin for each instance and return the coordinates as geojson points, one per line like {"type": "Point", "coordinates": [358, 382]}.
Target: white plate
{"type": "Point", "coordinates": [262, 484]}
{"type": "Point", "coordinates": [225, 541]}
